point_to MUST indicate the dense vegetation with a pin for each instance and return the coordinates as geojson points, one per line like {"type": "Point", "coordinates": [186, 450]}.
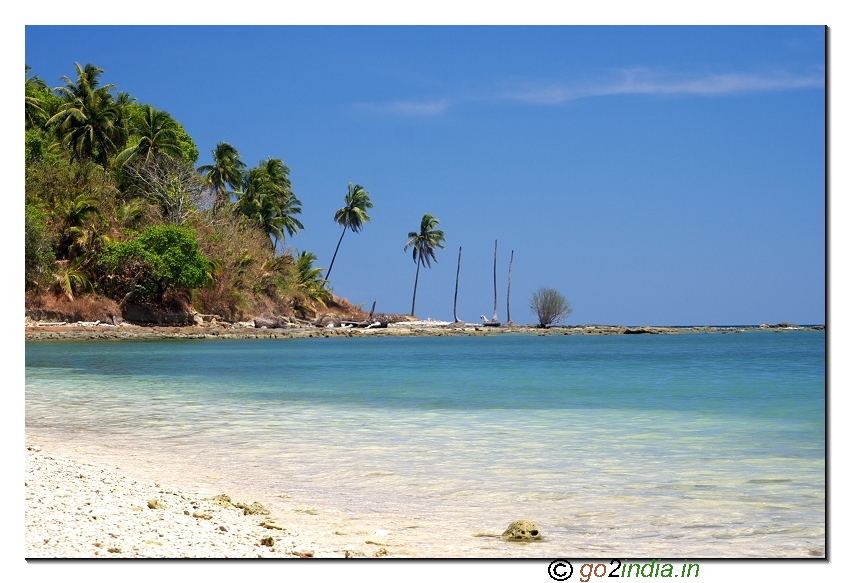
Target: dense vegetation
{"type": "Point", "coordinates": [116, 211]}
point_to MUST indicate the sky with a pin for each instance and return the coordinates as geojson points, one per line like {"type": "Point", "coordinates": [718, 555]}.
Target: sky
{"type": "Point", "coordinates": [652, 175]}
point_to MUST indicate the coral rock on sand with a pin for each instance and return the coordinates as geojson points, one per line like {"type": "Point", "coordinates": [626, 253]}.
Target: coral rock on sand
{"type": "Point", "coordinates": [255, 508]}
{"type": "Point", "coordinates": [522, 530]}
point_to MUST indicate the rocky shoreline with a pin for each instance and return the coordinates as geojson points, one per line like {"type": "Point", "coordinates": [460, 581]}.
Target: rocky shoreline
{"type": "Point", "coordinates": [36, 331]}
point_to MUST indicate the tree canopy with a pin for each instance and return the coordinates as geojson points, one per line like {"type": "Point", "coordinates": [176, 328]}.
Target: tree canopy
{"type": "Point", "coordinates": [115, 204]}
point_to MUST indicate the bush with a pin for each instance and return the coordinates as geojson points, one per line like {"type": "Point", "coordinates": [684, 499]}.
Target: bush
{"type": "Point", "coordinates": [162, 257]}
{"type": "Point", "coordinates": [38, 248]}
{"type": "Point", "coordinates": [549, 306]}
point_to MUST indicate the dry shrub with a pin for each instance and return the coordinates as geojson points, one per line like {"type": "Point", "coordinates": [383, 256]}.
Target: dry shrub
{"type": "Point", "coordinates": [342, 308]}
{"type": "Point", "coordinates": [249, 279]}
{"type": "Point", "coordinates": [549, 306]}
{"type": "Point", "coordinates": [86, 308]}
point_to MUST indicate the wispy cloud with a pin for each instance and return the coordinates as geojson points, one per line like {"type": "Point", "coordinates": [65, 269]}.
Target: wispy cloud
{"type": "Point", "coordinates": [639, 81]}
{"type": "Point", "coordinates": [407, 108]}
{"type": "Point", "coordinates": [645, 82]}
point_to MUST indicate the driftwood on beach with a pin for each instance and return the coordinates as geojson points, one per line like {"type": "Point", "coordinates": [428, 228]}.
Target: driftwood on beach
{"type": "Point", "coordinates": [323, 321]}
{"type": "Point", "coordinates": [332, 321]}
{"type": "Point", "coordinates": [271, 322]}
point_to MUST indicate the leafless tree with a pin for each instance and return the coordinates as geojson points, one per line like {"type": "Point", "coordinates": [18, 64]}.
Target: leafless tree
{"type": "Point", "coordinates": [457, 281]}
{"type": "Point", "coordinates": [174, 186]}
{"type": "Point", "coordinates": [495, 303]}
{"type": "Point", "coordinates": [510, 267]}
{"type": "Point", "coordinates": [549, 306]}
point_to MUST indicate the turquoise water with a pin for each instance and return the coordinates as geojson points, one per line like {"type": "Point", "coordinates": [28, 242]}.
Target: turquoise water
{"type": "Point", "coordinates": [690, 445]}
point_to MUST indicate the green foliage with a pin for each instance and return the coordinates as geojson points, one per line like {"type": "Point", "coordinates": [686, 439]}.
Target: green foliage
{"type": "Point", "coordinates": [425, 244]}
{"type": "Point", "coordinates": [71, 277]}
{"type": "Point", "coordinates": [353, 214]}
{"type": "Point", "coordinates": [549, 306]}
{"type": "Point", "coordinates": [426, 241]}
{"type": "Point", "coordinates": [40, 145]}
{"type": "Point", "coordinates": [162, 257]}
{"type": "Point", "coordinates": [38, 258]}
{"type": "Point", "coordinates": [267, 200]}
{"type": "Point", "coordinates": [155, 132]}
{"type": "Point", "coordinates": [115, 205]}
{"type": "Point", "coordinates": [188, 147]}
{"type": "Point", "coordinates": [226, 170]}
{"type": "Point", "coordinates": [89, 119]}
{"type": "Point", "coordinates": [310, 279]}
{"type": "Point", "coordinates": [40, 102]}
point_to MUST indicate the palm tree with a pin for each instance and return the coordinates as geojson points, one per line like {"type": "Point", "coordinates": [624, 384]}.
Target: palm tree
{"type": "Point", "coordinates": [310, 279]}
{"type": "Point", "coordinates": [226, 169]}
{"type": "Point", "coordinates": [34, 112]}
{"type": "Point", "coordinates": [424, 244]}
{"type": "Point", "coordinates": [279, 189]}
{"type": "Point", "coordinates": [157, 133]}
{"type": "Point", "coordinates": [268, 201]}
{"type": "Point", "coordinates": [352, 215]}
{"type": "Point", "coordinates": [87, 120]}
{"type": "Point", "coordinates": [124, 105]}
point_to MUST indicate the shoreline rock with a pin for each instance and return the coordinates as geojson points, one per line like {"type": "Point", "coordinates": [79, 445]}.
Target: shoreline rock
{"type": "Point", "coordinates": [39, 331]}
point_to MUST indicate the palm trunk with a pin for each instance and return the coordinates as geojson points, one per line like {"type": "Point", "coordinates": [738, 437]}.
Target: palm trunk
{"type": "Point", "coordinates": [457, 280]}
{"type": "Point", "coordinates": [510, 267]}
{"type": "Point", "coordinates": [415, 283]}
{"type": "Point", "coordinates": [328, 274]}
{"type": "Point", "coordinates": [495, 303]}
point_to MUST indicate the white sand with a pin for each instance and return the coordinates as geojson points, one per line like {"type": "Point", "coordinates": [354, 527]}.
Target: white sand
{"type": "Point", "coordinates": [74, 509]}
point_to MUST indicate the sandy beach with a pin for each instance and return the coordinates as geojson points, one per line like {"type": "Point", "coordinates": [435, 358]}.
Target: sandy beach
{"type": "Point", "coordinates": [76, 509]}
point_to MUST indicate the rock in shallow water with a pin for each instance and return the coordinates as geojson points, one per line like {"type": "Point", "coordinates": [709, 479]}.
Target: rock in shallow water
{"type": "Point", "coordinates": [255, 508]}
{"type": "Point", "coordinates": [522, 530]}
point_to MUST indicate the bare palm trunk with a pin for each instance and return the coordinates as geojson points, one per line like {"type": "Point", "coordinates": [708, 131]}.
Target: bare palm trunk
{"type": "Point", "coordinates": [457, 280]}
{"type": "Point", "coordinates": [328, 274]}
{"type": "Point", "coordinates": [495, 303]}
{"type": "Point", "coordinates": [510, 267]}
{"type": "Point", "coordinates": [415, 283]}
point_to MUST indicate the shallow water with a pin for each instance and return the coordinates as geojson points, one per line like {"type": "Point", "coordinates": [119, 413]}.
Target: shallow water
{"type": "Point", "coordinates": [690, 445]}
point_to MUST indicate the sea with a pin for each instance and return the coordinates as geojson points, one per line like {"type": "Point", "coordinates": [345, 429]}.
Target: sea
{"type": "Point", "coordinates": [680, 446]}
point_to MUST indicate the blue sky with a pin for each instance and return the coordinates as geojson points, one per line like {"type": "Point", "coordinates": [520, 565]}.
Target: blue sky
{"type": "Point", "coordinates": [653, 175]}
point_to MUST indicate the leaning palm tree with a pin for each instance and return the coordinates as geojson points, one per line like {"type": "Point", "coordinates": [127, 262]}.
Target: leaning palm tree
{"type": "Point", "coordinates": [424, 244]}
{"type": "Point", "coordinates": [352, 215]}
{"type": "Point", "coordinates": [226, 169]}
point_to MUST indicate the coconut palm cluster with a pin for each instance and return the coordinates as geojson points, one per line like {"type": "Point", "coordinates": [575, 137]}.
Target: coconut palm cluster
{"type": "Point", "coordinates": [116, 207]}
